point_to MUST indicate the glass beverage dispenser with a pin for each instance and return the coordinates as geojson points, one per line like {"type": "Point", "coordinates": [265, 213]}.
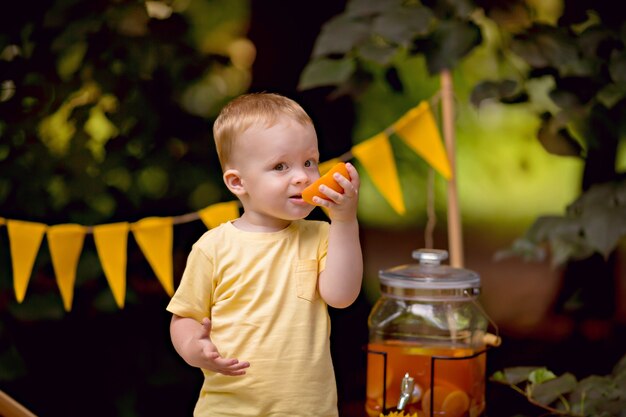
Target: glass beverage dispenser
{"type": "Point", "coordinates": [427, 341]}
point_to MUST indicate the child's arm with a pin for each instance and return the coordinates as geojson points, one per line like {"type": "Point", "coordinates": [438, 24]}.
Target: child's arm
{"type": "Point", "coordinates": [340, 282]}
{"type": "Point", "coordinates": [193, 343]}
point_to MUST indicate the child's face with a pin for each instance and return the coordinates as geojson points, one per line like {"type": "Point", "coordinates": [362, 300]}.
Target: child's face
{"type": "Point", "coordinates": [275, 164]}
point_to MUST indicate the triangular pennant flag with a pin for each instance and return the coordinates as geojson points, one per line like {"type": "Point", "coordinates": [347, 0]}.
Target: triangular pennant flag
{"type": "Point", "coordinates": [111, 244]}
{"type": "Point", "coordinates": [155, 237]}
{"type": "Point", "coordinates": [219, 213]}
{"type": "Point", "coordinates": [65, 242]}
{"type": "Point", "coordinates": [419, 130]}
{"type": "Point", "coordinates": [24, 241]}
{"type": "Point", "coordinates": [324, 167]}
{"type": "Point", "coordinates": [376, 156]}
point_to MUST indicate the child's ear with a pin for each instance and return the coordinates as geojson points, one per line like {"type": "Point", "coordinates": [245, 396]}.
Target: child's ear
{"type": "Point", "coordinates": [232, 179]}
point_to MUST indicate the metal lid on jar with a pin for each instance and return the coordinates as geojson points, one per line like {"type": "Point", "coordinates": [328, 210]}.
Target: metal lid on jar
{"type": "Point", "coordinates": [429, 274]}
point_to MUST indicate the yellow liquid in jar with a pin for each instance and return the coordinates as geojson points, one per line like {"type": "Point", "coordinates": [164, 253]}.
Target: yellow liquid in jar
{"type": "Point", "coordinates": [459, 384]}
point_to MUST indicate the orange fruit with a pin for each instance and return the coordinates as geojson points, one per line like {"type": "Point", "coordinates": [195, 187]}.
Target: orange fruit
{"type": "Point", "coordinates": [440, 394]}
{"type": "Point", "coordinates": [327, 179]}
{"type": "Point", "coordinates": [455, 404]}
{"type": "Point", "coordinates": [448, 401]}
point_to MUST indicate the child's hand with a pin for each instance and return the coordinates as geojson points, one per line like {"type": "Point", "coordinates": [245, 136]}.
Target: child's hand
{"type": "Point", "coordinates": [343, 206]}
{"type": "Point", "coordinates": [211, 358]}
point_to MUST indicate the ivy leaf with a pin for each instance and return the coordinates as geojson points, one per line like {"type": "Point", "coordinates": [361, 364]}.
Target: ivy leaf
{"type": "Point", "coordinates": [596, 394]}
{"type": "Point", "coordinates": [379, 53]}
{"type": "Point", "coordinates": [546, 227]}
{"type": "Point", "coordinates": [523, 248]}
{"type": "Point", "coordinates": [547, 392]}
{"type": "Point", "coordinates": [401, 25]}
{"type": "Point", "coordinates": [564, 235]}
{"type": "Point", "coordinates": [617, 68]}
{"type": "Point", "coordinates": [546, 46]}
{"type": "Point", "coordinates": [325, 72]}
{"type": "Point", "coordinates": [602, 214]}
{"type": "Point", "coordinates": [556, 139]}
{"type": "Point", "coordinates": [363, 8]}
{"type": "Point", "coordinates": [604, 227]}
{"type": "Point", "coordinates": [493, 90]}
{"type": "Point", "coordinates": [541, 375]}
{"type": "Point", "coordinates": [513, 375]}
{"type": "Point", "coordinates": [340, 35]}
{"type": "Point", "coordinates": [611, 94]}
{"type": "Point", "coordinates": [450, 41]}
{"type": "Point", "coordinates": [462, 8]}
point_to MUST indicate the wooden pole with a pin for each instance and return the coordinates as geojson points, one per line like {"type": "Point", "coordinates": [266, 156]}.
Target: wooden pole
{"type": "Point", "coordinates": [455, 233]}
{"type": "Point", "coordinates": [11, 408]}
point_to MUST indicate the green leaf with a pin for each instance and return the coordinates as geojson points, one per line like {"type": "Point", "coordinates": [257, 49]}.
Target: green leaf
{"type": "Point", "coordinates": [541, 375]}
{"type": "Point", "coordinates": [514, 375]}
{"type": "Point", "coordinates": [403, 24]}
{"type": "Point", "coordinates": [602, 215]}
{"type": "Point", "coordinates": [493, 90]}
{"type": "Point", "coordinates": [498, 376]}
{"type": "Point", "coordinates": [556, 139]}
{"type": "Point", "coordinates": [450, 41]}
{"type": "Point", "coordinates": [462, 8]}
{"type": "Point", "coordinates": [339, 36]}
{"type": "Point", "coordinates": [617, 68]}
{"type": "Point", "coordinates": [325, 72]}
{"type": "Point", "coordinates": [604, 227]}
{"type": "Point", "coordinates": [380, 54]}
{"type": "Point", "coordinates": [596, 394]}
{"type": "Point", "coordinates": [611, 94]}
{"type": "Point", "coordinates": [546, 227]}
{"type": "Point", "coordinates": [546, 46]}
{"type": "Point", "coordinates": [71, 60]}
{"type": "Point", "coordinates": [523, 248]}
{"type": "Point", "coordinates": [547, 392]}
{"type": "Point", "coordinates": [364, 8]}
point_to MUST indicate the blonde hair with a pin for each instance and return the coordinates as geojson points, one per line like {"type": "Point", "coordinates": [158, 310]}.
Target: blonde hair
{"type": "Point", "coordinates": [250, 110]}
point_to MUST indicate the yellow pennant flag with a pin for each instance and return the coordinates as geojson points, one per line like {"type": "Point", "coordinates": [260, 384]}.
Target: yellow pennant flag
{"type": "Point", "coordinates": [219, 213]}
{"type": "Point", "coordinates": [111, 244]}
{"type": "Point", "coordinates": [155, 236]}
{"type": "Point", "coordinates": [24, 241]}
{"type": "Point", "coordinates": [419, 130]}
{"type": "Point", "coordinates": [376, 156]}
{"type": "Point", "coordinates": [65, 242]}
{"type": "Point", "coordinates": [324, 167]}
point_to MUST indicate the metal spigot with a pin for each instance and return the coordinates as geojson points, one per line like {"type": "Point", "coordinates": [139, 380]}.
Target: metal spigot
{"type": "Point", "coordinates": [406, 390]}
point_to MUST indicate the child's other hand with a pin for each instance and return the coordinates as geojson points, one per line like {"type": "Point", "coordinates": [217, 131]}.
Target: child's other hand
{"type": "Point", "coordinates": [211, 358]}
{"type": "Point", "coordinates": [343, 206]}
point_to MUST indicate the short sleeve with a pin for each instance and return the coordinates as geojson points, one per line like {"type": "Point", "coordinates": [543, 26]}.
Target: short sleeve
{"type": "Point", "coordinates": [193, 297]}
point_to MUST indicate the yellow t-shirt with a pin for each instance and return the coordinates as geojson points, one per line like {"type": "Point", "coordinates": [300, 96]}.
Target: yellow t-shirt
{"type": "Point", "coordinates": [260, 292]}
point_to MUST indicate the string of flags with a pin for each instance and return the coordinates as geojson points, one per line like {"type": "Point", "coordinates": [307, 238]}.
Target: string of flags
{"type": "Point", "coordinates": [154, 235]}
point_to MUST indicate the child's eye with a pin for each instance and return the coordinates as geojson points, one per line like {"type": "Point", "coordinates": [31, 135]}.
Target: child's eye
{"type": "Point", "coordinates": [309, 163]}
{"type": "Point", "coordinates": [280, 167]}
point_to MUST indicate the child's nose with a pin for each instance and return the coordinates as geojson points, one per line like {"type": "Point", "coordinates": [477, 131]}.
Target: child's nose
{"type": "Point", "coordinates": [301, 176]}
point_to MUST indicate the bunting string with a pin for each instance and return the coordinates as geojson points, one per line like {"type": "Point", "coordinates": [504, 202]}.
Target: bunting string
{"type": "Point", "coordinates": [154, 235]}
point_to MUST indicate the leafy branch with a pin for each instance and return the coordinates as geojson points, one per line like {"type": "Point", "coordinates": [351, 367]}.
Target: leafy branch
{"type": "Point", "coordinates": [564, 395]}
{"type": "Point", "coordinates": [594, 222]}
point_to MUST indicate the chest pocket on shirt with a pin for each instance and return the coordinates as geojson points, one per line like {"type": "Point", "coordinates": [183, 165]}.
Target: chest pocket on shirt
{"type": "Point", "coordinates": [306, 278]}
